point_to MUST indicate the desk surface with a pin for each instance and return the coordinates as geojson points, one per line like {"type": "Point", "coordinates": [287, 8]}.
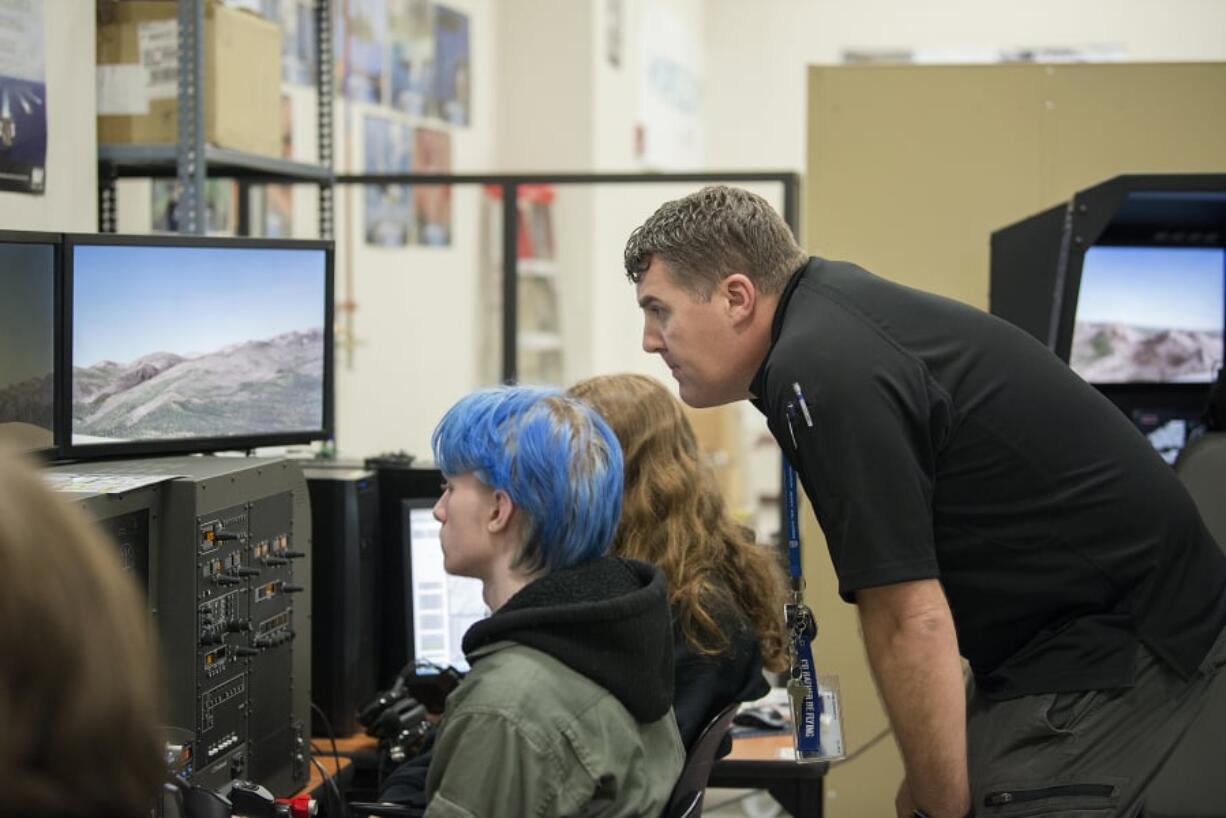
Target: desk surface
{"type": "Point", "coordinates": [332, 764]}
{"type": "Point", "coordinates": [767, 762]}
{"type": "Point", "coordinates": [761, 748]}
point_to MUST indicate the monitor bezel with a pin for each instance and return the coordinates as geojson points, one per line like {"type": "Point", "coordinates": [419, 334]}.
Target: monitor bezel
{"type": "Point", "coordinates": [58, 405]}
{"type": "Point", "coordinates": [1068, 321]}
{"type": "Point", "coordinates": [188, 445]}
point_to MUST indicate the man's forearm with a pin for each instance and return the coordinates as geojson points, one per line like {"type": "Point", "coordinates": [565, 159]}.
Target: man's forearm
{"type": "Point", "coordinates": [913, 650]}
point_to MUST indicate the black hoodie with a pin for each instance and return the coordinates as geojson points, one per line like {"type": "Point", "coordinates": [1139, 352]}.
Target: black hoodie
{"type": "Point", "coordinates": [607, 620]}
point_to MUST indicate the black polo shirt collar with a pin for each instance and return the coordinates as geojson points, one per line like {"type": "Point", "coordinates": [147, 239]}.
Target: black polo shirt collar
{"type": "Point", "coordinates": [756, 385]}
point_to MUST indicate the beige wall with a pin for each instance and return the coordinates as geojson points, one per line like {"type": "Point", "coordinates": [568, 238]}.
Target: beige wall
{"type": "Point", "coordinates": [910, 168]}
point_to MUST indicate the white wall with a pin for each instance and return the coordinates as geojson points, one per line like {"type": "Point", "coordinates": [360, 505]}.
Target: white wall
{"type": "Point", "coordinates": [70, 201]}
{"type": "Point", "coordinates": [756, 52]}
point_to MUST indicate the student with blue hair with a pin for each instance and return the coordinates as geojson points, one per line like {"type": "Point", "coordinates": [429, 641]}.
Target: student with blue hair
{"type": "Point", "coordinates": [567, 709]}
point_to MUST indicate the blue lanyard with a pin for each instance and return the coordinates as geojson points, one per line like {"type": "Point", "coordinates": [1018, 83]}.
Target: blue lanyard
{"type": "Point", "coordinates": [801, 626]}
{"type": "Point", "coordinates": [793, 513]}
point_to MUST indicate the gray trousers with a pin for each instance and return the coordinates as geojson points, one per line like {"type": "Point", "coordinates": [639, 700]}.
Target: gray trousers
{"type": "Point", "coordinates": [1090, 754]}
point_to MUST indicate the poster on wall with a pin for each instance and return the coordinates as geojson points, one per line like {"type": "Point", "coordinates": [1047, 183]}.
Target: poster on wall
{"type": "Point", "coordinates": [669, 133]}
{"type": "Point", "coordinates": [410, 27]}
{"type": "Point", "coordinates": [388, 148]}
{"type": "Point", "coordinates": [299, 55]}
{"type": "Point", "coordinates": [432, 203]}
{"type": "Point", "coordinates": [452, 75]}
{"type": "Point", "coordinates": [614, 12]}
{"type": "Point", "coordinates": [362, 36]}
{"type": "Point", "coordinates": [23, 97]}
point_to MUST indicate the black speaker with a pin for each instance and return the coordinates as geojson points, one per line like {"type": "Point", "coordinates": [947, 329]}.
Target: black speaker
{"type": "Point", "coordinates": [344, 577]}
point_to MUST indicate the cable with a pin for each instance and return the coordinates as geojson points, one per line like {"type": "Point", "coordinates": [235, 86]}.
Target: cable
{"type": "Point", "coordinates": [351, 754]}
{"type": "Point", "coordinates": [328, 727]}
{"type": "Point", "coordinates": [342, 807]}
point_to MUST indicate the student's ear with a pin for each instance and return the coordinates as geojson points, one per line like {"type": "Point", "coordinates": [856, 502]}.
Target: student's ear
{"type": "Point", "coordinates": [741, 296]}
{"type": "Point", "coordinates": [501, 512]}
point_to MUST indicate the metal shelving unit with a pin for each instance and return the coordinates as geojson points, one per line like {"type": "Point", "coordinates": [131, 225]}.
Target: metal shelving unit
{"type": "Point", "coordinates": [191, 161]}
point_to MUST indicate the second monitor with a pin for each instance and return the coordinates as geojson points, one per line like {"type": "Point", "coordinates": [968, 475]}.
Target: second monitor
{"type": "Point", "coordinates": [443, 606]}
{"type": "Point", "coordinates": [188, 344]}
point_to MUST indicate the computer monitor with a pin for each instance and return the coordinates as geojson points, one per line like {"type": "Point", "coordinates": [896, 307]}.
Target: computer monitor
{"type": "Point", "coordinates": [443, 606]}
{"type": "Point", "coordinates": [1150, 315]}
{"type": "Point", "coordinates": [29, 305]}
{"type": "Point", "coordinates": [185, 344]}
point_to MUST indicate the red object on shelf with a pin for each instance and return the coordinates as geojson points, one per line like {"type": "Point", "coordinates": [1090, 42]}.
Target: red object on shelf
{"type": "Point", "coordinates": [527, 193]}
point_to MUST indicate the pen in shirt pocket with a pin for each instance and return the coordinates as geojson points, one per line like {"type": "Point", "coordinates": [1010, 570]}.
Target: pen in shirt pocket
{"type": "Point", "coordinates": [800, 401]}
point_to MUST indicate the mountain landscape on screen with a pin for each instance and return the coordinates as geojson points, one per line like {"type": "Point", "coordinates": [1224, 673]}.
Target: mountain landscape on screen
{"type": "Point", "coordinates": [1123, 353]}
{"type": "Point", "coordinates": [254, 387]}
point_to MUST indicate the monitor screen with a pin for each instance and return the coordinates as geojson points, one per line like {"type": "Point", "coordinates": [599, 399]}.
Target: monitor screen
{"type": "Point", "coordinates": [27, 338]}
{"type": "Point", "coordinates": [443, 607]}
{"type": "Point", "coordinates": [198, 344]}
{"type": "Point", "coordinates": [1150, 315]}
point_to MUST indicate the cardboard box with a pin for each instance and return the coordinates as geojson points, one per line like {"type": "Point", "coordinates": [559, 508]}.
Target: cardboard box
{"type": "Point", "coordinates": [138, 76]}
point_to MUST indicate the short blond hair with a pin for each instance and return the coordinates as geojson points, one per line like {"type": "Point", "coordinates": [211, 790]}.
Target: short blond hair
{"type": "Point", "coordinates": [79, 731]}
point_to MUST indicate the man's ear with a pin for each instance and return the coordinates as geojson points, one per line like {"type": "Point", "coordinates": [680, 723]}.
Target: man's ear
{"type": "Point", "coordinates": [741, 295]}
{"type": "Point", "coordinates": [501, 512]}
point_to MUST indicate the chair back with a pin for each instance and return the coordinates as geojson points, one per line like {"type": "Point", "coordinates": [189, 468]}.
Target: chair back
{"type": "Point", "coordinates": [686, 800]}
{"type": "Point", "coordinates": [1201, 468]}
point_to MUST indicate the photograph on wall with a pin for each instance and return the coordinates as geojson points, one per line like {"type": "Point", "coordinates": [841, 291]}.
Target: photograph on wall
{"type": "Point", "coordinates": [452, 77]}
{"type": "Point", "coordinates": [23, 98]}
{"type": "Point", "coordinates": [388, 148]}
{"type": "Point", "coordinates": [299, 54]}
{"type": "Point", "coordinates": [220, 206]}
{"type": "Point", "coordinates": [363, 36]}
{"type": "Point", "coordinates": [410, 26]}
{"type": "Point", "coordinates": [432, 203]}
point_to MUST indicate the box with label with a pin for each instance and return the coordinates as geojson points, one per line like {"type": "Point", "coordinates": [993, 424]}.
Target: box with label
{"type": "Point", "coordinates": [138, 76]}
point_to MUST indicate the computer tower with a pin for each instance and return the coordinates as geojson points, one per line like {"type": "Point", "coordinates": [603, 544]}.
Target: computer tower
{"type": "Point", "coordinates": [345, 574]}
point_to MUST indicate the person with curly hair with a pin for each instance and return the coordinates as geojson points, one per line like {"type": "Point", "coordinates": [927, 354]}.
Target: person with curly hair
{"type": "Point", "coordinates": [726, 591]}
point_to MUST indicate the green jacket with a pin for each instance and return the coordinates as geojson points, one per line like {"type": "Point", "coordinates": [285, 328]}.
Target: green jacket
{"type": "Point", "coordinates": [528, 734]}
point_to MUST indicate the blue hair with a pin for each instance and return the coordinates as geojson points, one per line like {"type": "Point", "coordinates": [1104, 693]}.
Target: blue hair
{"type": "Point", "coordinates": [555, 457]}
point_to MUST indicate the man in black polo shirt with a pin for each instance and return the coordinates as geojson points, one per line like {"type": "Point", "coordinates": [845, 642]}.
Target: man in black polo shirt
{"type": "Point", "coordinates": [979, 499]}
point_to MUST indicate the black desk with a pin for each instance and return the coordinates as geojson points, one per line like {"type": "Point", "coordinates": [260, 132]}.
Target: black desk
{"type": "Point", "coordinates": [755, 763]}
